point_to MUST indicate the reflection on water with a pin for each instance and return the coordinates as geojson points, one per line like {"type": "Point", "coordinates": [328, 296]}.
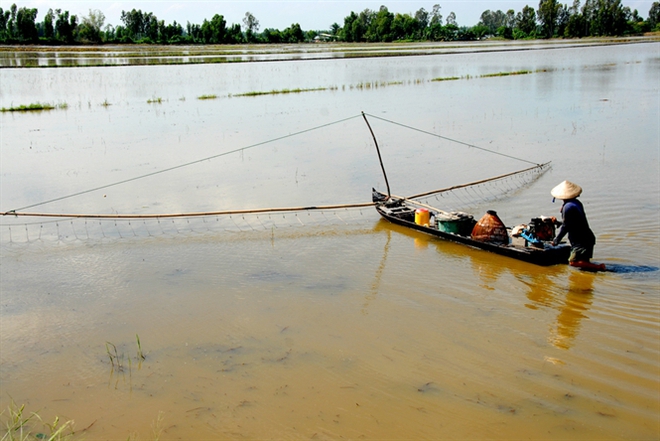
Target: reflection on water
{"type": "Point", "coordinates": [579, 298]}
{"type": "Point", "coordinates": [176, 55]}
{"type": "Point", "coordinates": [334, 324]}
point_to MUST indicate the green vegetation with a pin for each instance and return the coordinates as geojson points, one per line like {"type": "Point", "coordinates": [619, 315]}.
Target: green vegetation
{"type": "Point", "coordinates": [35, 107]}
{"type": "Point", "coordinates": [446, 79]}
{"type": "Point", "coordinates": [505, 74]}
{"type": "Point", "coordinates": [31, 107]}
{"type": "Point", "coordinates": [207, 97]}
{"type": "Point", "coordinates": [116, 361]}
{"type": "Point", "coordinates": [551, 20]}
{"type": "Point", "coordinates": [140, 354]}
{"type": "Point", "coordinates": [155, 101]}
{"type": "Point", "coordinates": [19, 426]}
{"type": "Point", "coordinates": [282, 91]}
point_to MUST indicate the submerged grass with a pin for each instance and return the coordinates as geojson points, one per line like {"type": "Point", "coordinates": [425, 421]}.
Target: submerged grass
{"type": "Point", "coordinates": [34, 107]}
{"type": "Point", "coordinates": [505, 74]}
{"type": "Point", "coordinates": [446, 79]}
{"type": "Point", "coordinates": [282, 91]}
{"type": "Point", "coordinates": [19, 426]}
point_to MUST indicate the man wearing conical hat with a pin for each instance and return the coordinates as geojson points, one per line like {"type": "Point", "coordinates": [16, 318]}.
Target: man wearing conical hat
{"type": "Point", "coordinates": [575, 224]}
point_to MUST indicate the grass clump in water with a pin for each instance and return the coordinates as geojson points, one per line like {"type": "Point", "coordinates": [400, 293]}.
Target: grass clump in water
{"type": "Point", "coordinates": [280, 92]}
{"type": "Point", "coordinates": [155, 101]}
{"type": "Point", "coordinates": [33, 107]}
{"type": "Point", "coordinates": [207, 97]}
{"type": "Point", "coordinates": [445, 79]}
{"type": "Point", "coordinates": [19, 426]}
{"type": "Point", "coordinates": [505, 74]}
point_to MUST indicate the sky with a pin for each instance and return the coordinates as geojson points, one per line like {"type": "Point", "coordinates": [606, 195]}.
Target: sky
{"type": "Point", "coordinates": [310, 14]}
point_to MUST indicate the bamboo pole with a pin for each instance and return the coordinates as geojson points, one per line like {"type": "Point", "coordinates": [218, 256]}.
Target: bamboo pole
{"type": "Point", "coordinates": [193, 214]}
{"type": "Point", "coordinates": [455, 187]}
{"type": "Point", "coordinates": [387, 184]}
{"type": "Point", "coordinates": [267, 210]}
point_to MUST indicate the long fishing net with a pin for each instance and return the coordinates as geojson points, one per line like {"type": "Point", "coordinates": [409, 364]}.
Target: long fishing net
{"type": "Point", "coordinates": [481, 194]}
{"type": "Point", "coordinates": [81, 229]}
{"type": "Point", "coordinates": [15, 230]}
{"type": "Point", "coordinates": [19, 226]}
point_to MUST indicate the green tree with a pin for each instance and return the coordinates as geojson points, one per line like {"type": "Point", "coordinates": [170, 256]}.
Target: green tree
{"type": "Point", "coordinates": [451, 19]}
{"type": "Point", "coordinates": [575, 23]}
{"type": "Point", "coordinates": [90, 28]}
{"type": "Point", "coordinates": [380, 27]}
{"type": "Point", "coordinates": [548, 15]}
{"type": "Point", "coordinates": [293, 34]}
{"type": "Point", "coordinates": [194, 33]}
{"type": "Point", "coordinates": [234, 35]}
{"type": "Point", "coordinates": [480, 31]}
{"type": "Point", "coordinates": [49, 30]}
{"type": "Point", "coordinates": [251, 26]}
{"type": "Point", "coordinates": [214, 31]}
{"type": "Point", "coordinates": [271, 36]}
{"type": "Point", "coordinates": [610, 18]}
{"type": "Point", "coordinates": [12, 31]}
{"type": "Point", "coordinates": [65, 26]}
{"type": "Point", "coordinates": [133, 24]}
{"type": "Point", "coordinates": [140, 26]}
{"type": "Point", "coordinates": [4, 19]}
{"type": "Point", "coordinates": [654, 15]}
{"type": "Point", "coordinates": [171, 33]}
{"type": "Point", "coordinates": [26, 25]}
{"type": "Point", "coordinates": [346, 32]}
{"type": "Point", "coordinates": [492, 20]}
{"type": "Point", "coordinates": [423, 20]}
{"type": "Point", "coordinates": [525, 23]}
{"type": "Point", "coordinates": [404, 27]}
{"type": "Point", "coordinates": [563, 16]}
{"type": "Point", "coordinates": [436, 16]}
{"type": "Point", "coordinates": [362, 23]}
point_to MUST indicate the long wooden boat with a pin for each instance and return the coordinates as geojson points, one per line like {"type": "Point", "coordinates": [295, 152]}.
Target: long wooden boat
{"type": "Point", "coordinates": [402, 211]}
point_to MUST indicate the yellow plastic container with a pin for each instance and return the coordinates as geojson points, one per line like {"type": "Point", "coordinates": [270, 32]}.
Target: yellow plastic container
{"type": "Point", "coordinates": [422, 216]}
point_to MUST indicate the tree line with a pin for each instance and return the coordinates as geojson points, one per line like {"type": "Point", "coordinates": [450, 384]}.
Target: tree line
{"type": "Point", "coordinates": [551, 20]}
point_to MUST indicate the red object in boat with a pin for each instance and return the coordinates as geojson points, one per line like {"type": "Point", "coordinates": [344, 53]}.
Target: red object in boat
{"type": "Point", "coordinates": [490, 228]}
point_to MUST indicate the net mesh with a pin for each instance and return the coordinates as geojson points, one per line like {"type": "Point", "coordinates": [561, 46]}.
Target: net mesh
{"type": "Point", "coordinates": [21, 230]}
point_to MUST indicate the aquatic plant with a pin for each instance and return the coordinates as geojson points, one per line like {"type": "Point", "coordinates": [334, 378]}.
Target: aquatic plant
{"type": "Point", "coordinates": [19, 426]}
{"type": "Point", "coordinates": [32, 107]}
{"type": "Point", "coordinates": [155, 101]}
{"type": "Point", "coordinates": [115, 360]}
{"type": "Point", "coordinates": [282, 91]}
{"type": "Point", "coordinates": [140, 354]}
{"type": "Point", "coordinates": [207, 97]}
{"type": "Point", "coordinates": [504, 74]}
{"type": "Point", "coordinates": [445, 79]}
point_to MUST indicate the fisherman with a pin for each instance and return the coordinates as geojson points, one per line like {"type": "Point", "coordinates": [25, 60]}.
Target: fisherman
{"type": "Point", "coordinates": [575, 224]}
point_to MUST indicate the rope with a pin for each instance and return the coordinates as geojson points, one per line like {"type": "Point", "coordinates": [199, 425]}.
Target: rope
{"type": "Point", "coordinates": [179, 166]}
{"type": "Point", "coordinates": [18, 211]}
{"type": "Point", "coordinates": [452, 140]}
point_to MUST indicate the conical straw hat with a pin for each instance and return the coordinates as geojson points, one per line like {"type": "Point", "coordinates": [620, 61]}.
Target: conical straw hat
{"type": "Point", "coordinates": [566, 190]}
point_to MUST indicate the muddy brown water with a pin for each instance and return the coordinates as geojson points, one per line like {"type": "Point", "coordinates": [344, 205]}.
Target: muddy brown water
{"type": "Point", "coordinates": [335, 324]}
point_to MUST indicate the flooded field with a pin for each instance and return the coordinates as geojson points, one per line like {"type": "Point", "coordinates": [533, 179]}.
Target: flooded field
{"type": "Point", "coordinates": [150, 55]}
{"type": "Point", "coordinates": [329, 324]}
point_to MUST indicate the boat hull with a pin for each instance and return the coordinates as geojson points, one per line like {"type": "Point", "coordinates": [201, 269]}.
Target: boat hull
{"type": "Point", "coordinates": [398, 212]}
